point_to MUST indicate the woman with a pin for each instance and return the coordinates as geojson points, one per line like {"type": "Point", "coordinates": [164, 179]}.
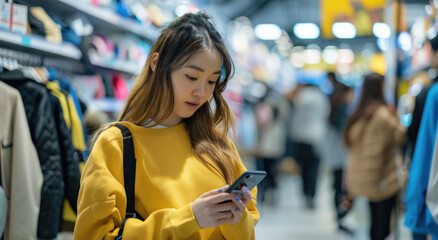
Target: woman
{"type": "Point", "coordinates": [372, 134]}
{"type": "Point", "coordinates": [183, 159]}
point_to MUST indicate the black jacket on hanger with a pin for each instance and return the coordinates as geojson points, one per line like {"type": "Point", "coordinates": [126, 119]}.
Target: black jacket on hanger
{"type": "Point", "coordinates": [69, 157]}
{"type": "Point", "coordinates": [38, 108]}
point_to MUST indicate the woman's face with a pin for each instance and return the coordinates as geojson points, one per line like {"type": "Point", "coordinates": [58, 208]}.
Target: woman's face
{"type": "Point", "coordinates": [193, 84]}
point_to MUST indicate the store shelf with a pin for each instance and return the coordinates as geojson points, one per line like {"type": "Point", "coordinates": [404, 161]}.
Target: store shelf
{"type": "Point", "coordinates": [115, 64]}
{"type": "Point", "coordinates": [101, 18]}
{"type": "Point", "coordinates": [40, 44]}
{"type": "Point", "coordinates": [107, 104]}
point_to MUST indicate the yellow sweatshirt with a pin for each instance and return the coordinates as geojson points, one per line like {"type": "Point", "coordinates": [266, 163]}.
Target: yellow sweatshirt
{"type": "Point", "coordinates": [168, 179]}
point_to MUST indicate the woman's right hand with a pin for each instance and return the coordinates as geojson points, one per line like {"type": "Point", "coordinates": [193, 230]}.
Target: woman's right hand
{"type": "Point", "coordinates": [211, 208]}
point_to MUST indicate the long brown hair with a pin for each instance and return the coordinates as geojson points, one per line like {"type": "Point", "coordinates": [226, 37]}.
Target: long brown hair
{"type": "Point", "coordinates": [151, 98]}
{"type": "Point", "coordinates": [371, 98]}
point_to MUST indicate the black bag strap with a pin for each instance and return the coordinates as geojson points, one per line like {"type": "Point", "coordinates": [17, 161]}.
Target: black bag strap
{"type": "Point", "coordinates": [129, 166]}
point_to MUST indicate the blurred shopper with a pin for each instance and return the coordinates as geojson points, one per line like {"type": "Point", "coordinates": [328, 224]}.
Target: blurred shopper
{"type": "Point", "coordinates": [307, 128]}
{"type": "Point", "coordinates": [420, 100]}
{"type": "Point", "coordinates": [184, 157]}
{"type": "Point", "coordinates": [271, 114]}
{"type": "Point", "coordinates": [372, 135]}
{"type": "Point", "coordinates": [422, 136]}
{"type": "Point", "coordinates": [334, 152]}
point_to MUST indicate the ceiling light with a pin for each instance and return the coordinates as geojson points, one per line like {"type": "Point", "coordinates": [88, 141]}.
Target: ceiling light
{"type": "Point", "coordinates": [268, 31]}
{"type": "Point", "coordinates": [383, 44]}
{"type": "Point", "coordinates": [297, 58]}
{"type": "Point", "coordinates": [306, 30]}
{"type": "Point", "coordinates": [346, 56]}
{"type": "Point", "coordinates": [330, 54]}
{"type": "Point", "coordinates": [313, 56]}
{"type": "Point", "coordinates": [405, 41]}
{"type": "Point", "coordinates": [381, 30]}
{"type": "Point", "coordinates": [344, 30]}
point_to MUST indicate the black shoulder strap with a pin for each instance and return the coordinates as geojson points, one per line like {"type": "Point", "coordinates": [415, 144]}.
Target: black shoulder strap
{"type": "Point", "coordinates": [129, 166]}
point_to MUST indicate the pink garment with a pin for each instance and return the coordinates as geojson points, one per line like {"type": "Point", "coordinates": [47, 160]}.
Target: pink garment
{"type": "Point", "coordinates": [100, 89]}
{"type": "Point", "coordinates": [120, 86]}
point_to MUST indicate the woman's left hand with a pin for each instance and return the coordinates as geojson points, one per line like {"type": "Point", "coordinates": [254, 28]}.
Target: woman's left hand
{"type": "Point", "coordinates": [241, 200]}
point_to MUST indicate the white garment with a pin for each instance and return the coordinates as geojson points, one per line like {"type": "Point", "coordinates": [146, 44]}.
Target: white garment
{"type": "Point", "coordinates": [432, 187]}
{"type": "Point", "coordinates": [309, 116]}
{"type": "Point", "coordinates": [21, 173]}
{"type": "Point", "coordinates": [3, 211]}
{"type": "Point", "coordinates": [334, 153]}
{"type": "Point", "coordinates": [273, 135]}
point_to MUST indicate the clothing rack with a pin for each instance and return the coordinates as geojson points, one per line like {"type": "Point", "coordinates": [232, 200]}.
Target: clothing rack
{"type": "Point", "coordinates": [12, 59]}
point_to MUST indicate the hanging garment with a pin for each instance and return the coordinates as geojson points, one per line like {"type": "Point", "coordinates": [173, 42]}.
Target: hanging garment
{"type": "Point", "coordinates": [42, 127]}
{"type": "Point", "coordinates": [71, 115]}
{"type": "Point", "coordinates": [432, 188]}
{"type": "Point", "coordinates": [54, 90]}
{"type": "Point", "coordinates": [69, 155]}
{"type": "Point", "coordinates": [77, 130]}
{"type": "Point", "coordinates": [417, 212]}
{"type": "Point", "coordinates": [65, 85]}
{"type": "Point", "coordinates": [70, 160]}
{"type": "Point", "coordinates": [21, 175]}
{"type": "Point", "coordinates": [67, 89]}
{"type": "Point", "coordinates": [3, 211]}
{"type": "Point", "coordinates": [120, 86]}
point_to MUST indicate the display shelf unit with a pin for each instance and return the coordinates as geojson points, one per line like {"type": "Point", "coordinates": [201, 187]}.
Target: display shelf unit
{"type": "Point", "coordinates": [101, 18]}
{"type": "Point", "coordinates": [117, 65]}
{"type": "Point", "coordinates": [107, 104]}
{"type": "Point", "coordinates": [37, 44]}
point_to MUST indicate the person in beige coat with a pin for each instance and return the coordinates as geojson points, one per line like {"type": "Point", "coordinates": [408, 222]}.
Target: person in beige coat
{"type": "Point", "coordinates": [372, 134]}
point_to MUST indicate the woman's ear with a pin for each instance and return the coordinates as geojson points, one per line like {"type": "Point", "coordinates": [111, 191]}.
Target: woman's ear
{"type": "Point", "coordinates": [154, 61]}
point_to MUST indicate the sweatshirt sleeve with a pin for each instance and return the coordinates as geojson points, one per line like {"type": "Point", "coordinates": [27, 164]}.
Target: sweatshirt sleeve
{"type": "Point", "coordinates": [102, 201]}
{"type": "Point", "coordinates": [245, 228]}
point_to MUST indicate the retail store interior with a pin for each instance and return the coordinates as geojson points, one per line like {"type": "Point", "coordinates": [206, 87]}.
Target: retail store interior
{"type": "Point", "coordinates": [91, 53]}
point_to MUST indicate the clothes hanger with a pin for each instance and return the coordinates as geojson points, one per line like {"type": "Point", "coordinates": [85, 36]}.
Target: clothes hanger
{"type": "Point", "coordinates": [8, 64]}
{"type": "Point", "coordinates": [40, 74]}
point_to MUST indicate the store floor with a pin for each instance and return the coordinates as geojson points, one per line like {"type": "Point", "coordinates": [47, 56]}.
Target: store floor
{"type": "Point", "coordinates": [286, 219]}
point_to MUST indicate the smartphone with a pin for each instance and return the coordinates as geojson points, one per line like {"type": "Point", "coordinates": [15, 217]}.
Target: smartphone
{"type": "Point", "coordinates": [250, 179]}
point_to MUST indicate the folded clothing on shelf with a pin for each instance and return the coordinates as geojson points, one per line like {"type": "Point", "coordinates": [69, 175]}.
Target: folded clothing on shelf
{"type": "Point", "coordinates": [53, 30]}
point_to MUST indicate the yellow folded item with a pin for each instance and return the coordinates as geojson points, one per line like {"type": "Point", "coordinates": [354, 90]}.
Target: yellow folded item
{"type": "Point", "coordinates": [53, 30]}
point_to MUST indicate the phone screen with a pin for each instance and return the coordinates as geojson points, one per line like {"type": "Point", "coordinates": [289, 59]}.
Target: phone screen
{"type": "Point", "coordinates": [250, 179]}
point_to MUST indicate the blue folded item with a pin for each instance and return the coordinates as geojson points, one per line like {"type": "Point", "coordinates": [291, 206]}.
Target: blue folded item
{"type": "Point", "coordinates": [122, 9]}
{"type": "Point", "coordinates": [68, 34]}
